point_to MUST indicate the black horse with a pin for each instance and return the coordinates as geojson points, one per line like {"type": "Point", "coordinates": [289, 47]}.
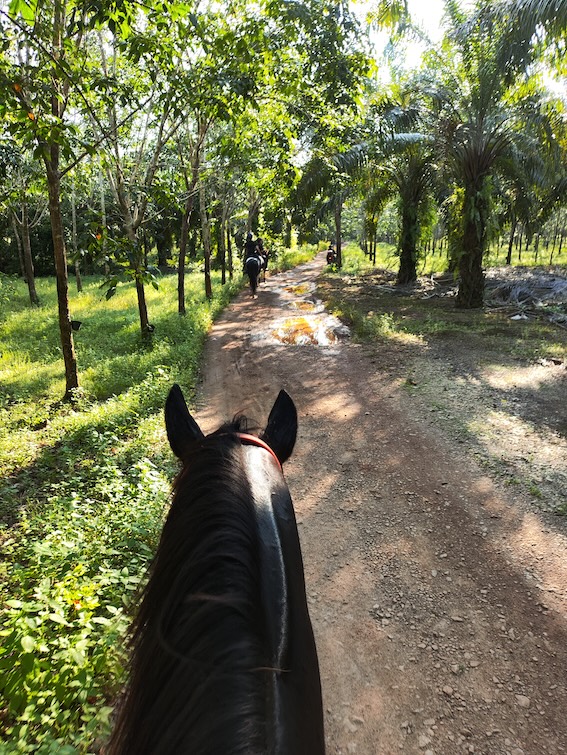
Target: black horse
{"type": "Point", "coordinates": [253, 266]}
{"type": "Point", "coordinates": [223, 654]}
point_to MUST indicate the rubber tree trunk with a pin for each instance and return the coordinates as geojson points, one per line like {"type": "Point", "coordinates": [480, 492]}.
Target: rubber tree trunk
{"type": "Point", "coordinates": [103, 217]}
{"type": "Point", "coordinates": [184, 238]}
{"type": "Point", "coordinates": [19, 247]}
{"type": "Point", "coordinates": [221, 246]}
{"type": "Point", "coordinates": [66, 333]}
{"type": "Point", "coordinates": [206, 237]}
{"type": "Point", "coordinates": [229, 252]}
{"type": "Point", "coordinates": [139, 266]}
{"type": "Point", "coordinates": [24, 246]}
{"type": "Point", "coordinates": [338, 230]}
{"type": "Point", "coordinates": [78, 280]}
{"type": "Point", "coordinates": [142, 306]}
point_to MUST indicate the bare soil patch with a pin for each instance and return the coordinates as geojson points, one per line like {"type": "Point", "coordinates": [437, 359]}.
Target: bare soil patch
{"type": "Point", "coordinates": [435, 567]}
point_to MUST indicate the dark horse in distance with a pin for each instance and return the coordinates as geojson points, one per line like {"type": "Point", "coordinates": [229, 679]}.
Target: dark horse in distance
{"type": "Point", "coordinates": [253, 266]}
{"type": "Point", "coordinates": [223, 654]}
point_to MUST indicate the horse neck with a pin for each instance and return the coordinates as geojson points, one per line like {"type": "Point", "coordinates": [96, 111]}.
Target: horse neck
{"type": "Point", "coordinates": [201, 634]}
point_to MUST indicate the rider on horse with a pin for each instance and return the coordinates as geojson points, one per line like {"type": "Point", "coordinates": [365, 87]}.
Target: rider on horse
{"type": "Point", "coordinates": [263, 252]}
{"type": "Point", "coordinates": [254, 262]}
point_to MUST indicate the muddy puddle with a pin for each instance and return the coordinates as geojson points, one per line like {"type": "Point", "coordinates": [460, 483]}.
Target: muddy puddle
{"type": "Point", "coordinates": [300, 290]}
{"type": "Point", "coordinates": [308, 322]}
{"type": "Point", "coordinates": [301, 331]}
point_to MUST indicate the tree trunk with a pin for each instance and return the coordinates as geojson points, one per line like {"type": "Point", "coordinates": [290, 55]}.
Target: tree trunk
{"type": "Point", "coordinates": [66, 333]}
{"type": "Point", "coordinates": [183, 241]}
{"type": "Point", "coordinates": [142, 307]}
{"type": "Point", "coordinates": [511, 242]}
{"type": "Point", "coordinates": [287, 233]}
{"type": "Point", "coordinates": [471, 275]}
{"type": "Point", "coordinates": [254, 204]}
{"type": "Point", "coordinates": [78, 280]}
{"type": "Point", "coordinates": [338, 231]}
{"type": "Point", "coordinates": [103, 219]}
{"type": "Point", "coordinates": [229, 252]}
{"type": "Point", "coordinates": [407, 272]}
{"type": "Point", "coordinates": [561, 242]}
{"type": "Point", "coordinates": [221, 247]}
{"type": "Point", "coordinates": [181, 258]}
{"type": "Point", "coordinates": [19, 247]}
{"type": "Point", "coordinates": [26, 253]}
{"type": "Point", "coordinates": [206, 237]}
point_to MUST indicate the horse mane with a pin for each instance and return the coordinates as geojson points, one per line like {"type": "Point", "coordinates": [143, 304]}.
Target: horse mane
{"type": "Point", "coordinates": [200, 635]}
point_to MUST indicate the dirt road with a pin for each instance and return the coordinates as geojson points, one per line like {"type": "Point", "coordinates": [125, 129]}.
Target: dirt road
{"type": "Point", "coordinates": [439, 601]}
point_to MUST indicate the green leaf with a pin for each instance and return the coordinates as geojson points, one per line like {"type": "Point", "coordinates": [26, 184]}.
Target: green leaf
{"type": "Point", "coordinates": [28, 644]}
{"type": "Point", "coordinates": [100, 620]}
{"type": "Point", "coordinates": [58, 619]}
{"type": "Point", "coordinates": [25, 8]}
{"type": "Point", "coordinates": [77, 656]}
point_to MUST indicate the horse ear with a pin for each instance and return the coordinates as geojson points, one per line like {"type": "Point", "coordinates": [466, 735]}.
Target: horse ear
{"type": "Point", "coordinates": [281, 430]}
{"type": "Point", "coordinates": [182, 430]}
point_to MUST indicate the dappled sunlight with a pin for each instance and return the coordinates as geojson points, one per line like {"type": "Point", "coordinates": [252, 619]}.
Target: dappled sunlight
{"type": "Point", "coordinates": [531, 535]}
{"type": "Point", "coordinates": [532, 377]}
{"type": "Point", "coordinates": [407, 339]}
{"type": "Point", "coordinates": [24, 377]}
{"type": "Point", "coordinates": [489, 427]}
{"type": "Point", "coordinates": [345, 408]}
{"type": "Point", "coordinates": [314, 327]}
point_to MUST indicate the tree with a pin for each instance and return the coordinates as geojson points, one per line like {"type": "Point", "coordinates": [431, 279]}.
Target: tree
{"type": "Point", "coordinates": [25, 206]}
{"type": "Point", "coordinates": [35, 81]}
{"type": "Point", "coordinates": [482, 123]}
{"type": "Point", "coordinates": [45, 83]}
{"type": "Point", "coordinates": [402, 164]}
{"type": "Point", "coordinates": [325, 184]}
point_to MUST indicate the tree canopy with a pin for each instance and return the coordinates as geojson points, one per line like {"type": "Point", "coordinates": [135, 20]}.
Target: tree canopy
{"type": "Point", "coordinates": [178, 127]}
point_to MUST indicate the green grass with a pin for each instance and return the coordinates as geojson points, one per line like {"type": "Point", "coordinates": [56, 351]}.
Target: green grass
{"type": "Point", "coordinates": [83, 491]}
{"type": "Point", "coordinates": [354, 260]}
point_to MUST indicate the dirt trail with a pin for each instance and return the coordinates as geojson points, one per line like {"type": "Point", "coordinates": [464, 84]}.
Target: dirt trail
{"type": "Point", "coordinates": [439, 601]}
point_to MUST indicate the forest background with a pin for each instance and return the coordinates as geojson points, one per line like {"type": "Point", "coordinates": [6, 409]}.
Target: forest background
{"type": "Point", "coordinates": [139, 144]}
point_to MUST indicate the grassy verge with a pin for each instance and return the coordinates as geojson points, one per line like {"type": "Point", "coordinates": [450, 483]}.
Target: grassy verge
{"type": "Point", "coordinates": [382, 313]}
{"type": "Point", "coordinates": [83, 491]}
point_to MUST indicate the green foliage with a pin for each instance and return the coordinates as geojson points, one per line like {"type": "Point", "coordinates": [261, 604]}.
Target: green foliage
{"type": "Point", "coordinates": [285, 259]}
{"type": "Point", "coordinates": [83, 489]}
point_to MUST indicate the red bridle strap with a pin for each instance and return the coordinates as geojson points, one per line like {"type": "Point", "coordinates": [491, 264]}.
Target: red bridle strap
{"type": "Point", "coordinates": [253, 440]}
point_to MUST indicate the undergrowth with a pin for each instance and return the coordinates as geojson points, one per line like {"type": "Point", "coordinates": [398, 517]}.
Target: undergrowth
{"type": "Point", "coordinates": [83, 490]}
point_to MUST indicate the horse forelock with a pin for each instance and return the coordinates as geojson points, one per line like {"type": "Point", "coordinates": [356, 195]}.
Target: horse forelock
{"type": "Point", "coordinates": [200, 635]}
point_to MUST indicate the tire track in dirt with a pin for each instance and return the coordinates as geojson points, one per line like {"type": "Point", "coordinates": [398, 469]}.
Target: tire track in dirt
{"type": "Point", "coordinates": [436, 633]}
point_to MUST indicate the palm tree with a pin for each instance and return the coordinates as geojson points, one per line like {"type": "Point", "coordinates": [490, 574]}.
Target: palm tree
{"type": "Point", "coordinates": [403, 165]}
{"type": "Point", "coordinates": [327, 181]}
{"type": "Point", "coordinates": [484, 108]}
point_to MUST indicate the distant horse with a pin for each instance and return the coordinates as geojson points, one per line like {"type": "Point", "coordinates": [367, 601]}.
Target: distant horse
{"type": "Point", "coordinates": [223, 655]}
{"type": "Point", "coordinates": [253, 266]}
